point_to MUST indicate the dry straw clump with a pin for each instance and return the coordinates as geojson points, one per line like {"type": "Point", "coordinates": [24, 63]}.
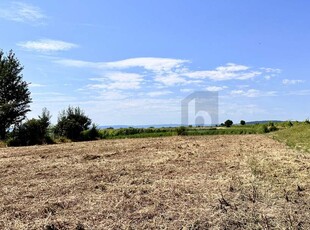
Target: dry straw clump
{"type": "Point", "coordinates": [216, 182]}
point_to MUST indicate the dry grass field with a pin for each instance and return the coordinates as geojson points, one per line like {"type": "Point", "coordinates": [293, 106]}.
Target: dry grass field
{"type": "Point", "coordinates": [205, 182]}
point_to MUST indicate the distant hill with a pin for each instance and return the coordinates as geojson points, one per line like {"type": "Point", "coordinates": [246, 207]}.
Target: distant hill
{"type": "Point", "coordinates": [176, 125]}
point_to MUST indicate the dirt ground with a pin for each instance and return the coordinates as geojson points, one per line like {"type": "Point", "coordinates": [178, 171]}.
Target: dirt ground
{"type": "Point", "coordinates": [207, 182]}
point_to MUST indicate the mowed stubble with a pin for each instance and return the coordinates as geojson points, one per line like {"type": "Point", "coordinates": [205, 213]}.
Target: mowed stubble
{"type": "Point", "coordinates": [233, 182]}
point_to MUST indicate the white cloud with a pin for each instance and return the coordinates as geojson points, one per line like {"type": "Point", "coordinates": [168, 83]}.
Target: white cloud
{"type": "Point", "coordinates": [36, 85]}
{"type": "Point", "coordinates": [187, 90]}
{"type": "Point", "coordinates": [148, 63]}
{"type": "Point", "coordinates": [157, 65]}
{"type": "Point", "coordinates": [22, 12]}
{"type": "Point", "coordinates": [223, 73]}
{"type": "Point", "coordinates": [170, 80]}
{"type": "Point", "coordinates": [47, 45]}
{"type": "Point", "coordinates": [79, 63]}
{"type": "Point", "coordinates": [117, 80]}
{"type": "Point", "coordinates": [231, 67]}
{"type": "Point", "coordinates": [291, 82]}
{"type": "Point", "coordinates": [168, 72]}
{"type": "Point", "coordinates": [161, 73]}
{"type": "Point", "coordinates": [216, 88]}
{"type": "Point", "coordinates": [159, 93]}
{"type": "Point", "coordinates": [271, 70]}
{"type": "Point", "coordinates": [248, 93]}
{"type": "Point", "coordinates": [252, 93]}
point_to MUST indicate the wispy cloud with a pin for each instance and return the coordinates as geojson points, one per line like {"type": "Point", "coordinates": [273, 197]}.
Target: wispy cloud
{"type": "Point", "coordinates": [159, 93]}
{"type": "Point", "coordinates": [47, 45]}
{"type": "Point", "coordinates": [253, 93]}
{"type": "Point", "coordinates": [22, 12]}
{"type": "Point", "coordinates": [223, 73]}
{"type": "Point", "coordinates": [147, 63]}
{"type": "Point", "coordinates": [167, 72]}
{"type": "Point", "coordinates": [117, 80]}
{"type": "Point", "coordinates": [291, 82]}
{"type": "Point", "coordinates": [187, 90]}
{"type": "Point", "coordinates": [170, 80]}
{"type": "Point", "coordinates": [80, 63]}
{"type": "Point", "coordinates": [271, 70]}
{"type": "Point", "coordinates": [216, 88]}
{"type": "Point", "coordinates": [36, 85]}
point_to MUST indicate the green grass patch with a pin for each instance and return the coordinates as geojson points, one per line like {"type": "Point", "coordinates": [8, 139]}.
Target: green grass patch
{"type": "Point", "coordinates": [297, 136]}
{"type": "Point", "coordinates": [184, 131]}
{"type": "Point", "coordinates": [224, 131]}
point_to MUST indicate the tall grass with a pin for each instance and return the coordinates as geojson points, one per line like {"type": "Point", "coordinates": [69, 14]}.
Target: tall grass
{"type": "Point", "coordinates": [296, 136]}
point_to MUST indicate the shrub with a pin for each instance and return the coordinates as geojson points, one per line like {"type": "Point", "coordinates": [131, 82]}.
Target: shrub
{"type": "Point", "coordinates": [104, 133]}
{"type": "Point", "coordinates": [71, 123]}
{"type": "Point", "coordinates": [263, 128]}
{"type": "Point", "coordinates": [272, 127]}
{"type": "Point", "coordinates": [267, 128]}
{"type": "Point", "coordinates": [242, 122]}
{"type": "Point", "coordinates": [90, 134]}
{"type": "Point", "coordinates": [181, 131]}
{"type": "Point", "coordinates": [32, 132]}
{"type": "Point", "coordinates": [290, 124]}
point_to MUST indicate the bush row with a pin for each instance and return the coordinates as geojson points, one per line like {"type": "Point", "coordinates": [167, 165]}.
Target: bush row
{"type": "Point", "coordinates": [72, 125]}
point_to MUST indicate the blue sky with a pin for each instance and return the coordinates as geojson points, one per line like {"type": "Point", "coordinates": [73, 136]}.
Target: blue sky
{"type": "Point", "coordinates": [132, 62]}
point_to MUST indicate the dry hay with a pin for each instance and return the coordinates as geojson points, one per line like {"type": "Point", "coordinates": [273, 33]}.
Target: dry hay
{"type": "Point", "coordinates": [218, 182]}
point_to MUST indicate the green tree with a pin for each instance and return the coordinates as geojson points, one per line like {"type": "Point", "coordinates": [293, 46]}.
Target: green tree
{"type": "Point", "coordinates": [71, 123]}
{"type": "Point", "coordinates": [14, 93]}
{"type": "Point", "coordinates": [242, 122]}
{"type": "Point", "coordinates": [229, 123]}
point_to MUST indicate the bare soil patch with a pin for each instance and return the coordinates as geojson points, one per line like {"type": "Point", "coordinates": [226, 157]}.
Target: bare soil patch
{"type": "Point", "coordinates": [216, 182]}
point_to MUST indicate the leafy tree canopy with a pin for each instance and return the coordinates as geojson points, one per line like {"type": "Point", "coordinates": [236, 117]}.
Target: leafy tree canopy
{"type": "Point", "coordinates": [14, 93]}
{"type": "Point", "coordinates": [229, 123]}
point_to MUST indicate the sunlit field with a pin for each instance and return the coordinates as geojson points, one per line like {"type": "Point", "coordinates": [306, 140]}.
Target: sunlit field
{"type": "Point", "coordinates": [181, 182]}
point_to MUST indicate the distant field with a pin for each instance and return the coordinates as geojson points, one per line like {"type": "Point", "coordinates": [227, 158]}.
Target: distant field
{"type": "Point", "coordinates": [189, 182]}
{"type": "Point", "coordinates": [131, 132]}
